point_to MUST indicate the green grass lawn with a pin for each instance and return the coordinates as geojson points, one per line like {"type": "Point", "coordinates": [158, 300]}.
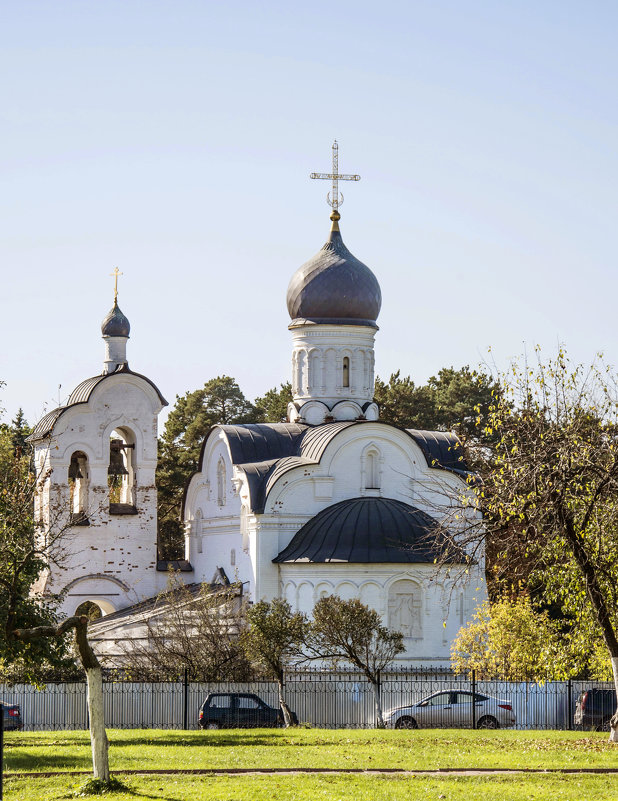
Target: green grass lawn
{"type": "Point", "coordinates": [318, 748]}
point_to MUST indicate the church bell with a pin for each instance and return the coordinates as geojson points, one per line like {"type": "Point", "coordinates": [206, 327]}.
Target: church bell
{"type": "Point", "coordinates": [116, 462]}
{"type": "Point", "coordinates": [74, 471]}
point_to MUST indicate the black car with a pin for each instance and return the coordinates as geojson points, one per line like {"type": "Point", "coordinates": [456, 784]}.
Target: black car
{"type": "Point", "coordinates": [12, 717]}
{"type": "Point", "coordinates": [594, 709]}
{"type": "Point", "coordinates": [238, 710]}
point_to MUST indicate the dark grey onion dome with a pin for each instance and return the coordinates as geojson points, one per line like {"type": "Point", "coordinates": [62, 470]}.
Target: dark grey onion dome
{"type": "Point", "coordinates": [334, 287]}
{"type": "Point", "coordinates": [115, 324]}
{"type": "Point", "coordinates": [369, 530]}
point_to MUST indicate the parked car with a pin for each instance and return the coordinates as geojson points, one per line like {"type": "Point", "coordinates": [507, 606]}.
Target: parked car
{"type": "Point", "coordinates": [12, 717]}
{"type": "Point", "coordinates": [453, 709]}
{"type": "Point", "coordinates": [238, 710]}
{"type": "Point", "coordinates": [594, 709]}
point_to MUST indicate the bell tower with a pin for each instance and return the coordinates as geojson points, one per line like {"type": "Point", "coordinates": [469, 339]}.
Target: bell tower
{"type": "Point", "coordinates": [97, 456]}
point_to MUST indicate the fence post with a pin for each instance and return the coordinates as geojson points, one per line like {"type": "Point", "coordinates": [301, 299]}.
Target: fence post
{"type": "Point", "coordinates": [570, 705]}
{"type": "Point", "coordinates": [1, 750]}
{"type": "Point", "coordinates": [185, 700]}
{"type": "Point", "coordinates": [473, 698]}
{"type": "Point", "coordinates": [379, 687]}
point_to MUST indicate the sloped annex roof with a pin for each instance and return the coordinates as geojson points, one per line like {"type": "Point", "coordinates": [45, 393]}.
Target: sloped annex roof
{"type": "Point", "coordinates": [265, 451]}
{"type": "Point", "coordinates": [81, 394]}
{"type": "Point", "coordinates": [368, 530]}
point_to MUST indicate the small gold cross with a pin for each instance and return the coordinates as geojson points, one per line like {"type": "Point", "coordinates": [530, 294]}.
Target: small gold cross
{"type": "Point", "coordinates": [115, 275]}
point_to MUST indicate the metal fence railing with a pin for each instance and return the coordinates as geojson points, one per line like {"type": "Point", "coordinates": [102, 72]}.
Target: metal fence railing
{"type": "Point", "coordinates": [320, 698]}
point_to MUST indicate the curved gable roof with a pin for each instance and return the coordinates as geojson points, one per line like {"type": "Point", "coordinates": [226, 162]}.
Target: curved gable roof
{"type": "Point", "coordinates": [265, 451]}
{"type": "Point", "coordinates": [81, 394]}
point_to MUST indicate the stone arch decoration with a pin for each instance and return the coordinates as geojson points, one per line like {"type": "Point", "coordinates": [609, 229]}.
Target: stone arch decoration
{"type": "Point", "coordinates": [404, 608]}
{"type": "Point", "coordinates": [97, 576]}
{"type": "Point", "coordinates": [347, 590]}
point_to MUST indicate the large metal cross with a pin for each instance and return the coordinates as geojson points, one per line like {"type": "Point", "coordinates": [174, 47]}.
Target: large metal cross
{"type": "Point", "coordinates": [335, 198]}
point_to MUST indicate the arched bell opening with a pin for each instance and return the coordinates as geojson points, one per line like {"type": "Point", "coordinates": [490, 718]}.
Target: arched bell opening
{"type": "Point", "coordinates": [121, 472]}
{"type": "Point", "coordinates": [78, 478]}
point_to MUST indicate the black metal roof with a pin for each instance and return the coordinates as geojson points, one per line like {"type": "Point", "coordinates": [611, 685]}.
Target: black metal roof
{"type": "Point", "coordinates": [81, 394]}
{"type": "Point", "coordinates": [265, 451]}
{"type": "Point", "coordinates": [115, 323]}
{"type": "Point", "coordinates": [367, 530]}
{"type": "Point", "coordinates": [334, 287]}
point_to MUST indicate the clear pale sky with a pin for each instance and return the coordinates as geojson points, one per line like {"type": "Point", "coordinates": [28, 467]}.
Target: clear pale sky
{"type": "Point", "coordinates": [175, 140]}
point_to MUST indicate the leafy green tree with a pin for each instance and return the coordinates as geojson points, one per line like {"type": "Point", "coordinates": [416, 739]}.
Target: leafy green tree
{"type": "Point", "coordinates": [351, 632]}
{"type": "Point", "coordinates": [549, 488]}
{"type": "Point", "coordinates": [273, 640]}
{"type": "Point", "coordinates": [273, 405]}
{"type": "Point", "coordinates": [454, 400]}
{"type": "Point", "coordinates": [513, 641]}
{"type": "Point", "coordinates": [219, 401]}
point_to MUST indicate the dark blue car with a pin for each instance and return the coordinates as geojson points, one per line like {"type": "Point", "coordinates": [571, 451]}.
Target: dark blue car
{"type": "Point", "coordinates": [12, 717]}
{"type": "Point", "coordinates": [238, 710]}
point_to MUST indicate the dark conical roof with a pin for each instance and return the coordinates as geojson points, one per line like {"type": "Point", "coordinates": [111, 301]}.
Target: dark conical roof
{"type": "Point", "coordinates": [115, 324]}
{"type": "Point", "coordinates": [334, 287]}
{"type": "Point", "coordinates": [368, 530]}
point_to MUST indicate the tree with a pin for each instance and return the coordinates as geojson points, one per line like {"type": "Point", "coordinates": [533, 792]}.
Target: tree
{"type": "Point", "coordinates": [219, 401]}
{"type": "Point", "coordinates": [549, 488]}
{"type": "Point", "coordinates": [31, 634]}
{"type": "Point", "coordinates": [451, 401]}
{"type": "Point", "coordinates": [351, 631]}
{"type": "Point", "coordinates": [513, 641]}
{"type": "Point", "coordinates": [199, 634]}
{"type": "Point", "coordinates": [273, 405]}
{"type": "Point", "coordinates": [274, 638]}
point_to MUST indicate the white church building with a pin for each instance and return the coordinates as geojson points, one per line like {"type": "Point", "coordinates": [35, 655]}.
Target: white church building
{"type": "Point", "coordinates": [332, 501]}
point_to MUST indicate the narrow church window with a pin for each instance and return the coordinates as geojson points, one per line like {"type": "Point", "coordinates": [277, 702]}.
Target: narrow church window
{"type": "Point", "coordinates": [346, 371]}
{"type": "Point", "coordinates": [233, 557]}
{"type": "Point", "coordinates": [221, 483]}
{"type": "Point", "coordinates": [121, 473]}
{"type": "Point", "coordinates": [372, 471]}
{"type": "Point", "coordinates": [78, 489]}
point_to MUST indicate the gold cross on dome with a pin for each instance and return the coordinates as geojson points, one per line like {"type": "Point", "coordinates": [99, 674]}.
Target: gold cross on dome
{"type": "Point", "coordinates": [335, 198]}
{"type": "Point", "coordinates": [115, 275]}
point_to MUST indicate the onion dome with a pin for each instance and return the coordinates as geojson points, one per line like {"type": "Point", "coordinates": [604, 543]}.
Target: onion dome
{"type": "Point", "coordinates": [115, 324]}
{"type": "Point", "coordinates": [334, 287]}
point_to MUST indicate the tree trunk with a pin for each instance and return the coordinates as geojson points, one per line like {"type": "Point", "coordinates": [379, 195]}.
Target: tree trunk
{"type": "Point", "coordinates": [377, 697]}
{"type": "Point", "coordinates": [94, 679]}
{"type": "Point", "coordinates": [98, 735]}
{"type": "Point", "coordinates": [285, 709]}
{"type": "Point", "coordinates": [613, 731]}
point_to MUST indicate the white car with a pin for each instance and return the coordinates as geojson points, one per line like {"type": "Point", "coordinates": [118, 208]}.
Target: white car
{"type": "Point", "coordinates": [452, 709]}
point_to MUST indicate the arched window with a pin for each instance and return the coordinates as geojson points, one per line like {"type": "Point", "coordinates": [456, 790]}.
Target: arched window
{"type": "Point", "coordinates": [78, 489]}
{"type": "Point", "coordinates": [346, 371]}
{"type": "Point", "coordinates": [221, 478]}
{"type": "Point", "coordinates": [121, 472]}
{"type": "Point", "coordinates": [371, 468]}
{"type": "Point", "coordinates": [91, 609]}
{"type": "Point", "coordinates": [404, 608]}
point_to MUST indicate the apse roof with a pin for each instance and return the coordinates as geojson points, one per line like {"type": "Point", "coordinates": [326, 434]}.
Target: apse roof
{"type": "Point", "coordinates": [368, 530]}
{"type": "Point", "coordinates": [81, 394]}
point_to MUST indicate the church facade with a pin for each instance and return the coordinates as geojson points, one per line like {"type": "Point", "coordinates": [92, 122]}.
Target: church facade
{"type": "Point", "coordinates": [331, 501]}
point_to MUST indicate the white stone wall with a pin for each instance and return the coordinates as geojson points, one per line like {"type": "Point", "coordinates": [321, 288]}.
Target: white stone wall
{"type": "Point", "coordinates": [417, 600]}
{"type": "Point", "coordinates": [214, 517]}
{"type": "Point", "coordinates": [112, 561]}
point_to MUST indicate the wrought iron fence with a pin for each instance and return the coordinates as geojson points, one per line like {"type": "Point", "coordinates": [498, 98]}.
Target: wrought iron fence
{"type": "Point", "coordinates": [320, 698]}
